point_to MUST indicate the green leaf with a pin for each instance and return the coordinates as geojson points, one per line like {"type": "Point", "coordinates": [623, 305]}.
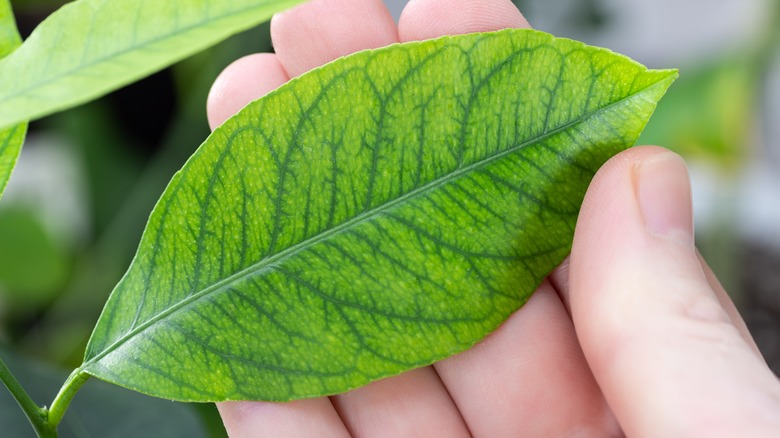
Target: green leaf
{"type": "Point", "coordinates": [33, 267]}
{"type": "Point", "coordinates": [710, 113]}
{"type": "Point", "coordinates": [377, 214]}
{"type": "Point", "coordinates": [9, 35]}
{"type": "Point", "coordinates": [11, 138]}
{"type": "Point", "coordinates": [91, 47]}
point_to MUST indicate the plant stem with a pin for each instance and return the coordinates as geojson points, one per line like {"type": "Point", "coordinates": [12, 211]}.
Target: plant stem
{"type": "Point", "coordinates": [36, 415]}
{"type": "Point", "coordinates": [61, 402]}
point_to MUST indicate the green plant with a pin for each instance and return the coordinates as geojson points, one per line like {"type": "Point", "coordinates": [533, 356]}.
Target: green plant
{"type": "Point", "coordinates": [374, 215]}
{"type": "Point", "coordinates": [11, 137]}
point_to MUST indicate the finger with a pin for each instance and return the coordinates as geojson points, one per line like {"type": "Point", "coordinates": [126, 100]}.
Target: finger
{"type": "Point", "coordinates": [411, 404]}
{"type": "Point", "coordinates": [667, 356]}
{"type": "Point", "coordinates": [560, 282]}
{"type": "Point", "coordinates": [528, 378]}
{"type": "Point", "coordinates": [322, 30]}
{"type": "Point", "coordinates": [728, 305]}
{"type": "Point", "coordinates": [243, 81]}
{"type": "Point", "coordinates": [425, 19]}
{"type": "Point", "coordinates": [301, 418]}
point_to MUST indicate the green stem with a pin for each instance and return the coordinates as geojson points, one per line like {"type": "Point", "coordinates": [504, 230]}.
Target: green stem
{"type": "Point", "coordinates": [61, 402]}
{"type": "Point", "coordinates": [36, 415]}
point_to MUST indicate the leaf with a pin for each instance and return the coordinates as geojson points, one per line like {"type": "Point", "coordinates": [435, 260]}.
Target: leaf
{"type": "Point", "coordinates": [377, 214]}
{"type": "Point", "coordinates": [710, 113]}
{"type": "Point", "coordinates": [33, 267]}
{"type": "Point", "coordinates": [11, 138]}
{"type": "Point", "coordinates": [9, 35]}
{"type": "Point", "coordinates": [100, 410]}
{"type": "Point", "coordinates": [91, 47]}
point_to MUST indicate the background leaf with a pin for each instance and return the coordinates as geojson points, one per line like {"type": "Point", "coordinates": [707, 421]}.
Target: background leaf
{"type": "Point", "coordinates": [99, 410]}
{"type": "Point", "coordinates": [11, 138]}
{"type": "Point", "coordinates": [9, 35]}
{"type": "Point", "coordinates": [90, 47]}
{"type": "Point", "coordinates": [31, 262]}
{"type": "Point", "coordinates": [375, 215]}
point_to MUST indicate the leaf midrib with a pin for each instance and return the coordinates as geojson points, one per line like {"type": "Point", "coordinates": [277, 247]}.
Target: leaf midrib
{"type": "Point", "coordinates": [269, 262]}
{"type": "Point", "coordinates": [115, 55]}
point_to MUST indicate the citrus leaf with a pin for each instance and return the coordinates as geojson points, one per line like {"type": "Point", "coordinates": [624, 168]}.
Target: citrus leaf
{"type": "Point", "coordinates": [91, 47]}
{"type": "Point", "coordinates": [377, 214]}
{"type": "Point", "coordinates": [11, 138]}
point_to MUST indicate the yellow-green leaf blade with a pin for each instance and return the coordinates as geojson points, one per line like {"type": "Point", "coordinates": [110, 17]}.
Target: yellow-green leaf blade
{"type": "Point", "coordinates": [375, 215]}
{"type": "Point", "coordinates": [91, 47]}
{"type": "Point", "coordinates": [9, 35]}
{"type": "Point", "coordinates": [11, 138]}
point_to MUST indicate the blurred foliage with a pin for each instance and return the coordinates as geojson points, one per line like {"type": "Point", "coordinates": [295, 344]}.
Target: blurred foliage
{"type": "Point", "coordinates": [710, 113]}
{"type": "Point", "coordinates": [100, 409]}
{"type": "Point", "coordinates": [712, 116]}
{"type": "Point", "coordinates": [130, 143]}
{"type": "Point", "coordinates": [30, 12]}
{"type": "Point", "coordinates": [25, 6]}
{"type": "Point", "coordinates": [129, 157]}
{"type": "Point", "coordinates": [579, 15]}
{"type": "Point", "coordinates": [32, 263]}
{"type": "Point", "coordinates": [133, 141]}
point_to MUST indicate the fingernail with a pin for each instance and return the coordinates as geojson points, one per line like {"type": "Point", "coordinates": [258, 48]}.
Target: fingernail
{"type": "Point", "coordinates": [664, 192]}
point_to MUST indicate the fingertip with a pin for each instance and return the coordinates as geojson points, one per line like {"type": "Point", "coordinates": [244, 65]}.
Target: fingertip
{"type": "Point", "coordinates": [663, 191]}
{"type": "Point", "coordinates": [320, 31]}
{"type": "Point", "coordinates": [414, 403]}
{"type": "Point", "coordinates": [425, 19]}
{"type": "Point", "coordinates": [300, 418]}
{"type": "Point", "coordinates": [617, 260]}
{"type": "Point", "coordinates": [608, 213]}
{"type": "Point", "coordinates": [243, 81]}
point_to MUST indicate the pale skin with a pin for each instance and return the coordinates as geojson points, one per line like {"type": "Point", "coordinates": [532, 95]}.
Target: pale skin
{"type": "Point", "coordinates": [632, 335]}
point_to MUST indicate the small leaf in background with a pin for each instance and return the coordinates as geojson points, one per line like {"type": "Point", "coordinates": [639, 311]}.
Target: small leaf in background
{"type": "Point", "coordinates": [32, 265]}
{"type": "Point", "coordinates": [710, 114]}
{"type": "Point", "coordinates": [9, 35]}
{"type": "Point", "coordinates": [375, 215]}
{"type": "Point", "coordinates": [11, 138]}
{"type": "Point", "coordinates": [99, 410]}
{"type": "Point", "coordinates": [91, 47]}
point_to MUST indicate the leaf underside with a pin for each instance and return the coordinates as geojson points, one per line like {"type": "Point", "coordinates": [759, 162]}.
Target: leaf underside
{"type": "Point", "coordinates": [11, 138]}
{"type": "Point", "coordinates": [375, 215]}
{"type": "Point", "coordinates": [91, 47]}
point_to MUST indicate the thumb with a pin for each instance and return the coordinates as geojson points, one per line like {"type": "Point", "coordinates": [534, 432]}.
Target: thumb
{"type": "Point", "coordinates": [664, 342]}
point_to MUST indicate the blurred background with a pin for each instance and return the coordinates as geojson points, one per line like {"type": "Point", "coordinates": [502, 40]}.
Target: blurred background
{"type": "Point", "coordinates": [87, 179]}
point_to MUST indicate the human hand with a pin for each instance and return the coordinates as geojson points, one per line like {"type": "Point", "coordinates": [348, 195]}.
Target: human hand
{"type": "Point", "coordinates": [633, 335]}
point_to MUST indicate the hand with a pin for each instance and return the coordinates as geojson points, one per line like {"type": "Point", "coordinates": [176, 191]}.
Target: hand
{"type": "Point", "coordinates": [633, 335]}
